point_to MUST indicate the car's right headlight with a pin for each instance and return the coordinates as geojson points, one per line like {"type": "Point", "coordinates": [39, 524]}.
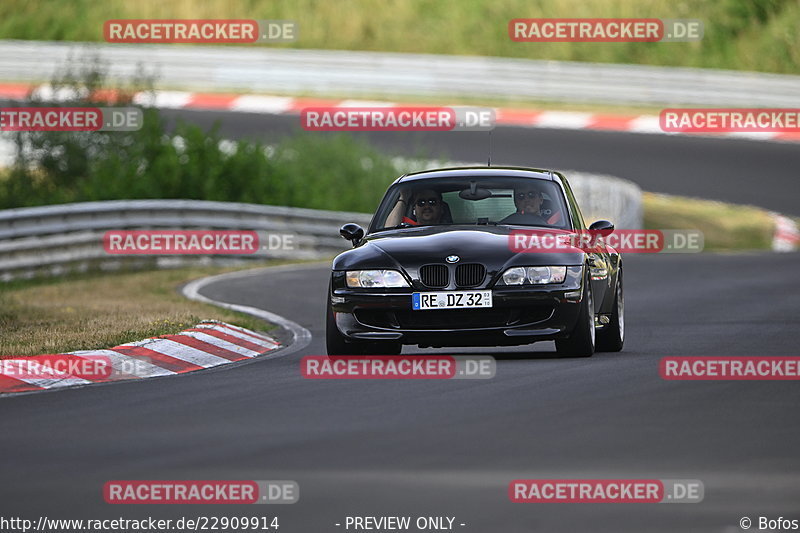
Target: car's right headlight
{"type": "Point", "coordinates": [534, 275]}
{"type": "Point", "coordinates": [375, 279]}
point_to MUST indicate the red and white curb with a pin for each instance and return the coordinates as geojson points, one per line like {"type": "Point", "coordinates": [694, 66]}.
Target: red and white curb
{"type": "Point", "coordinates": [280, 105]}
{"type": "Point", "coordinates": [787, 234]}
{"type": "Point", "coordinates": [207, 345]}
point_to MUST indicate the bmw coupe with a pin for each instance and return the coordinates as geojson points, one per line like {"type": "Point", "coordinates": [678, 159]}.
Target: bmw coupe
{"type": "Point", "coordinates": [438, 267]}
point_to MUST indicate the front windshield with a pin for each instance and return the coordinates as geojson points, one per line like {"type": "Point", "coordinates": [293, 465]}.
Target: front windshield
{"type": "Point", "coordinates": [473, 201]}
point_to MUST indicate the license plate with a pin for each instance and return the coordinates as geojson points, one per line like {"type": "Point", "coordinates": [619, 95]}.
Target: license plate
{"type": "Point", "coordinates": [421, 301]}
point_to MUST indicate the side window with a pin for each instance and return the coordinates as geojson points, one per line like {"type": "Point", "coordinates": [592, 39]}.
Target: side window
{"type": "Point", "coordinates": [577, 218]}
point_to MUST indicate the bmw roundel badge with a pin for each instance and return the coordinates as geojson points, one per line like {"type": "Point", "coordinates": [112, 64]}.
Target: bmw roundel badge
{"type": "Point", "coordinates": [452, 259]}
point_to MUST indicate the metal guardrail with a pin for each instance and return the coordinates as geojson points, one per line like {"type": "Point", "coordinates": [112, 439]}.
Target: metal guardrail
{"type": "Point", "coordinates": [391, 75]}
{"type": "Point", "coordinates": [53, 240]}
{"type": "Point", "coordinates": [8, 151]}
{"type": "Point", "coordinates": [603, 197]}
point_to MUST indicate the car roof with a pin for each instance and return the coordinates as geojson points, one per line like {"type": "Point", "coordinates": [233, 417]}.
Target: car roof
{"type": "Point", "coordinates": [465, 172]}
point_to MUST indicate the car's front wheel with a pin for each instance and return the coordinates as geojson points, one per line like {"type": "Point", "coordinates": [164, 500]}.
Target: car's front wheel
{"type": "Point", "coordinates": [612, 336]}
{"type": "Point", "coordinates": [581, 341]}
{"type": "Point", "coordinates": [334, 340]}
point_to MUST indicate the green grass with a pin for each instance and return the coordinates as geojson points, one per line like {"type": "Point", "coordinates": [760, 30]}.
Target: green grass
{"type": "Point", "coordinates": [726, 227]}
{"type": "Point", "coordinates": [57, 315]}
{"type": "Point", "coordinates": [335, 172]}
{"type": "Point", "coordinates": [759, 35]}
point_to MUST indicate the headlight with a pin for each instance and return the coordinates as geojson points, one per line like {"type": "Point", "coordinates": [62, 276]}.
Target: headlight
{"type": "Point", "coordinates": [538, 275]}
{"type": "Point", "coordinates": [542, 275]}
{"type": "Point", "coordinates": [375, 279]}
{"type": "Point", "coordinates": [514, 276]}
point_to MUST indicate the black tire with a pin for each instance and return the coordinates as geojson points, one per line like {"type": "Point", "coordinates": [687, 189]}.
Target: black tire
{"type": "Point", "coordinates": [582, 339]}
{"type": "Point", "coordinates": [334, 340]}
{"type": "Point", "coordinates": [611, 337]}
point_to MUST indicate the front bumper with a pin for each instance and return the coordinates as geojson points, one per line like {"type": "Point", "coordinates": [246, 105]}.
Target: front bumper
{"type": "Point", "coordinates": [519, 315]}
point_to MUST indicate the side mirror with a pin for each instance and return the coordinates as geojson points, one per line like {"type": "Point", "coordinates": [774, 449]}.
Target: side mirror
{"type": "Point", "coordinates": [603, 227]}
{"type": "Point", "coordinates": [352, 232]}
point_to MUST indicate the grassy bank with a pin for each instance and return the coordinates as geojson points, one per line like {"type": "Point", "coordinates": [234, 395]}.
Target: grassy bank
{"type": "Point", "coordinates": [335, 172]}
{"type": "Point", "coordinates": [64, 315]}
{"type": "Point", "coordinates": [726, 227]}
{"type": "Point", "coordinates": [739, 34]}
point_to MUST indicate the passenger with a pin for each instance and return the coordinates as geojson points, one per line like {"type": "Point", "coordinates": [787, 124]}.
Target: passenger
{"type": "Point", "coordinates": [528, 201]}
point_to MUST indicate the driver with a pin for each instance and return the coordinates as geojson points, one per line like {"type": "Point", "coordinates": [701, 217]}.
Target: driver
{"type": "Point", "coordinates": [428, 207]}
{"type": "Point", "coordinates": [528, 201]}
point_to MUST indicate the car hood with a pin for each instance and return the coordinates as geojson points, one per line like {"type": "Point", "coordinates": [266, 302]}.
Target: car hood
{"type": "Point", "coordinates": [412, 247]}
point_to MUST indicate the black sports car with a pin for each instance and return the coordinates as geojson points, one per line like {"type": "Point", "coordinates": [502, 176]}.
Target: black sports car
{"type": "Point", "coordinates": [437, 268]}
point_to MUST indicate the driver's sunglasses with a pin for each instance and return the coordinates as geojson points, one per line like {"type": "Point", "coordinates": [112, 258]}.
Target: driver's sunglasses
{"type": "Point", "coordinates": [529, 194]}
{"type": "Point", "coordinates": [430, 201]}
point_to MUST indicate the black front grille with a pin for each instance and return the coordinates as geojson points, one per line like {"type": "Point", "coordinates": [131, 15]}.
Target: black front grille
{"type": "Point", "coordinates": [435, 276]}
{"type": "Point", "coordinates": [470, 274]}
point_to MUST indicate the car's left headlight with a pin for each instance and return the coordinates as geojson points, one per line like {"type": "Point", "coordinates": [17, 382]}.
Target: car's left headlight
{"type": "Point", "coordinates": [535, 275]}
{"type": "Point", "coordinates": [375, 279]}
